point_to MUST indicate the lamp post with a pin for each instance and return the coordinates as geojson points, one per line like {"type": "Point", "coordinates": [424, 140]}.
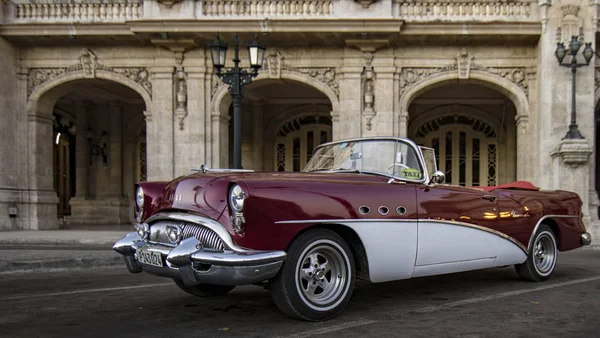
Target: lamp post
{"type": "Point", "coordinates": [560, 53]}
{"type": "Point", "coordinates": [237, 78]}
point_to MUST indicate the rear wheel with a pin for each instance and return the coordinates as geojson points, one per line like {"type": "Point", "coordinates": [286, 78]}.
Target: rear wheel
{"type": "Point", "coordinates": [205, 290]}
{"type": "Point", "coordinates": [542, 256]}
{"type": "Point", "coordinates": [317, 278]}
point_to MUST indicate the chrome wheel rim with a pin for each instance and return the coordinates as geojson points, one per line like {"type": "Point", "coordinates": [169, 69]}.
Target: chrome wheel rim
{"type": "Point", "coordinates": [322, 275]}
{"type": "Point", "coordinates": [544, 253]}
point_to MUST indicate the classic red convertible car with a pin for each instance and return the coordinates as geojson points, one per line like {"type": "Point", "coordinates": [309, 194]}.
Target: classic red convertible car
{"type": "Point", "coordinates": [370, 208]}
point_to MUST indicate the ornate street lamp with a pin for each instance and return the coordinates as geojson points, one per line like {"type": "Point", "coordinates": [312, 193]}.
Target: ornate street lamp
{"type": "Point", "coordinates": [560, 53]}
{"type": "Point", "coordinates": [237, 78]}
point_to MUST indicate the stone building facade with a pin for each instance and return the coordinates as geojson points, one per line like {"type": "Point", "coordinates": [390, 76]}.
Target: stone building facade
{"type": "Point", "coordinates": [99, 94]}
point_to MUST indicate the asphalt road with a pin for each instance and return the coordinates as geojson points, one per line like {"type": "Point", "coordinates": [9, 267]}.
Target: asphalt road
{"type": "Point", "coordinates": [486, 303]}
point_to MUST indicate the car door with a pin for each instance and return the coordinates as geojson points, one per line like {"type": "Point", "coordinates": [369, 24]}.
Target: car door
{"type": "Point", "coordinates": [457, 229]}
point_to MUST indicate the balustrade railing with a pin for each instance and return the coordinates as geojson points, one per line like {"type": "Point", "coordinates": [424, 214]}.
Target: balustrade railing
{"type": "Point", "coordinates": [464, 9]}
{"type": "Point", "coordinates": [125, 10]}
{"type": "Point", "coordinates": [88, 11]}
{"type": "Point", "coordinates": [273, 8]}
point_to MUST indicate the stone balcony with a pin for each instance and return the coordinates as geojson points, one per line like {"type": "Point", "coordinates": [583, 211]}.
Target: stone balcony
{"type": "Point", "coordinates": [124, 11]}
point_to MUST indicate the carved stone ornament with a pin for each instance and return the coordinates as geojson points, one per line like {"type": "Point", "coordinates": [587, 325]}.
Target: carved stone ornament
{"type": "Point", "coordinates": [574, 152]}
{"type": "Point", "coordinates": [596, 79]}
{"type": "Point", "coordinates": [88, 64]}
{"type": "Point", "coordinates": [169, 3]}
{"type": "Point", "coordinates": [463, 61]}
{"type": "Point", "coordinates": [369, 98]}
{"type": "Point", "coordinates": [323, 74]}
{"type": "Point", "coordinates": [368, 89]}
{"type": "Point", "coordinates": [274, 62]}
{"type": "Point", "coordinates": [180, 97]}
{"type": "Point", "coordinates": [570, 24]}
{"type": "Point", "coordinates": [365, 3]}
{"type": "Point", "coordinates": [516, 75]}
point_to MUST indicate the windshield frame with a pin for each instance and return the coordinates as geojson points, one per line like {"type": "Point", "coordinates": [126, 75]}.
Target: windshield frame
{"type": "Point", "coordinates": [426, 174]}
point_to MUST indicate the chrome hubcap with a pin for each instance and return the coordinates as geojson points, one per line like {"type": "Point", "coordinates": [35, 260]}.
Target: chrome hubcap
{"type": "Point", "coordinates": [544, 254]}
{"type": "Point", "coordinates": [321, 275]}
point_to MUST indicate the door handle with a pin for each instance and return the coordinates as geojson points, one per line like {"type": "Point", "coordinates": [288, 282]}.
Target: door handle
{"type": "Point", "coordinates": [489, 197]}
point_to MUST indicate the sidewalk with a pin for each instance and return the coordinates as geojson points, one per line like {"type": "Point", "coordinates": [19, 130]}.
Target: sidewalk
{"type": "Point", "coordinates": [60, 250]}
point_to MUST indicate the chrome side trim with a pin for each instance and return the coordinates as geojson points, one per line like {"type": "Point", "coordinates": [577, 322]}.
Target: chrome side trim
{"type": "Point", "coordinates": [540, 222]}
{"type": "Point", "coordinates": [201, 220]}
{"type": "Point", "coordinates": [343, 220]}
{"type": "Point", "coordinates": [450, 222]}
{"type": "Point", "coordinates": [204, 169]}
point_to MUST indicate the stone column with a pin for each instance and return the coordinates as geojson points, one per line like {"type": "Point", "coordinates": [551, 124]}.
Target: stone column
{"type": "Point", "coordinates": [220, 140]}
{"type": "Point", "coordinates": [160, 126]}
{"type": "Point", "coordinates": [247, 137]}
{"type": "Point", "coordinates": [567, 167]}
{"type": "Point", "coordinates": [189, 134]}
{"type": "Point", "coordinates": [350, 120]}
{"type": "Point", "coordinates": [115, 146]}
{"type": "Point", "coordinates": [526, 130]}
{"type": "Point", "coordinates": [82, 146]}
{"type": "Point", "coordinates": [40, 171]}
{"type": "Point", "coordinates": [383, 123]}
{"type": "Point", "coordinates": [258, 108]}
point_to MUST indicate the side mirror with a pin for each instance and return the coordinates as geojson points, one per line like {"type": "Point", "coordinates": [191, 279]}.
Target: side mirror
{"type": "Point", "coordinates": [438, 177]}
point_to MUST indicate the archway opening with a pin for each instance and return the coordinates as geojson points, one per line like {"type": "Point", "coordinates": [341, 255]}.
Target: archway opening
{"type": "Point", "coordinates": [283, 121]}
{"type": "Point", "coordinates": [99, 149]}
{"type": "Point", "coordinates": [471, 128]}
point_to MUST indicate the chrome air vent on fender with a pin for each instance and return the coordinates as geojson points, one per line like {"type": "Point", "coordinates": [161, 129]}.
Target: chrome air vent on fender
{"type": "Point", "coordinates": [206, 236]}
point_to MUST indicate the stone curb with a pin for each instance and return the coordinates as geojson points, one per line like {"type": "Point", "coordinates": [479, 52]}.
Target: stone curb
{"type": "Point", "coordinates": [104, 242]}
{"type": "Point", "coordinates": [76, 263]}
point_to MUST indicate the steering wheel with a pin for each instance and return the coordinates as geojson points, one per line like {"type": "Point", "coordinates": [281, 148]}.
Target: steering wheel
{"type": "Point", "coordinates": [402, 166]}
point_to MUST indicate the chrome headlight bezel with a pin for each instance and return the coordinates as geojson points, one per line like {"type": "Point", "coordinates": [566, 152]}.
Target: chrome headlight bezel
{"type": "Point", "coordinates": [139, 198]}
{"type": "Point", "coordinates": [236, 198]}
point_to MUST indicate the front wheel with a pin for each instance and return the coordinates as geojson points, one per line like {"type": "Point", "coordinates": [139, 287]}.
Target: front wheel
{"type": "Point", "coordinates": [542, 256]}
{"type": "Point", "coordinates": [317, 279]}
{"type": "Point", "coordinates": [205, 290]}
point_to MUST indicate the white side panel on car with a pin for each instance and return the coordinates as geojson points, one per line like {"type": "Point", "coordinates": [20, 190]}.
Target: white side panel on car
{"type": "Point", "coordinates": [391, 248]}
{"type": "Point", "coordinates": [446, 247]}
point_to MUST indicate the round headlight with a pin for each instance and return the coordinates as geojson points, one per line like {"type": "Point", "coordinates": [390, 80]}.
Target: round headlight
{"type": "Point", "coordinates": [139, 197]}
{"type": "Point", "coordinates": [236, 198]}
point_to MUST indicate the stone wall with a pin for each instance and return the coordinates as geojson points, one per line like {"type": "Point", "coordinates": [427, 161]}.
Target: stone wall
{"type": "Point", "coordinates": [13, 127]}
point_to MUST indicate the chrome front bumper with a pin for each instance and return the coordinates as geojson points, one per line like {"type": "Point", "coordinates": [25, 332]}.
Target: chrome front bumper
{"type": "Point", "coordinates": [586, 238]}
{"type": "Point", "coordinates": [193, 264]}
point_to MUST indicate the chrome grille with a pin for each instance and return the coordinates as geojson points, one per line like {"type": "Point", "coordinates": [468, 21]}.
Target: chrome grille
{"type": "Point", "coordinates": [208, 238]}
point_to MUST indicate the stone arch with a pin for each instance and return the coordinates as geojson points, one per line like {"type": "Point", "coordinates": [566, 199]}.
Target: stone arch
{"type": "Point", "coordinates": [39, 108]}
{"type": "Point", "coordinates": [492, 81]}
{"type": "Point", "coordinates": [475, 112]}
{"type": "Point", "coordinates": [221, 100]}
{"type": "Point", "coordinates": [283, 117]}
{"type": "Point", "coordinates": [46, 94]}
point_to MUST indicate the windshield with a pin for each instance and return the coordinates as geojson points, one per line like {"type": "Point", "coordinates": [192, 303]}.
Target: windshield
{"type": "Point", "coordinates": [389, 157]}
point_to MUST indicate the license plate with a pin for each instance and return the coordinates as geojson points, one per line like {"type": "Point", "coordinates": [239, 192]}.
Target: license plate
{"type": "Point", "coordinates": [149, 257]}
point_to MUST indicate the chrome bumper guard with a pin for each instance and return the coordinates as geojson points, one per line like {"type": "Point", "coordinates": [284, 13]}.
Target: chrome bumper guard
{"type": "Point", "coordinates": [195, 265]}
{"type": "Point", "coordinates": [586, 238]}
